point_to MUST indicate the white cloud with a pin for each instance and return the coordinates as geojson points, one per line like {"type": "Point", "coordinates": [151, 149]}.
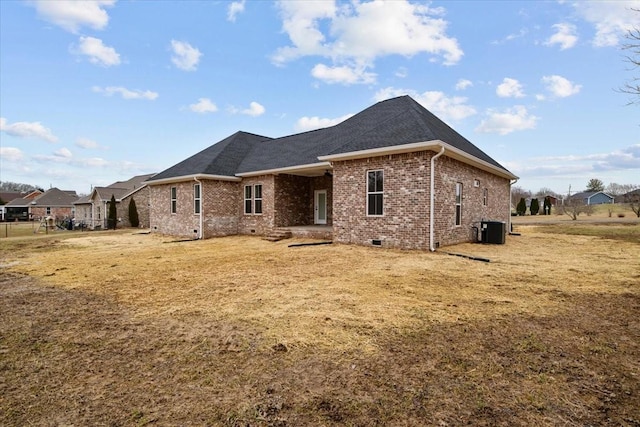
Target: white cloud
{"type": "Point", "coordinates": [305, 124]}
{"type": "Point", "coordinates": [234, 9]}
{"type": "Point", "coordinates": [612, 19]}
{"type": "Point", "coordinates": [402, 72]}
{"type": "Point", "coordinates": [71, 15]}
{"type": "Point", "coordinates": [509, 88]}
{"type": "Point", "coordinates": [560, 87]}
{"type": "Point", "coordinates": [622, 159]}
{"type": "Point", "coordinates": [185, 56]}
{"type": "Point", "coordinates": [126, 93]}
{"type": "Point", "coordinates": [254, 110]}
{"type": "Point", "coordinates": [510, 120]}
{"type": "Point", "coordinates": [446, 108]}
{"type": "Point", "coordinates": [96, 51]}
{"type": "Point", "coordinates": [27, 130]}
{"type": "Point", "coordinates": [11, 154]}
{"type": "Point", "coordinates": [88, 144]}
{"type": "Point", "coordinates": [523, 32]}
{"type": "Point", "coordinates": [565, 36]}
{"type": "Point", "coordinates": [354, 35]}
{"type": "Point", "coordinates": [462, 84]}
{"type": "Point", "coordinates": [579, 166]}
{"type": "Point", "coordinates": [94, 162]}
{"type": "Point", "coordinates": [344, 75]}
{"type": "Point", "coordinates": [204, 105]}
{"type": "Point", "coordinates": [64, 153]}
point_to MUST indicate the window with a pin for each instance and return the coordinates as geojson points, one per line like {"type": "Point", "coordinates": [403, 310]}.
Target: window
{"type": "Point", "coordinates": [257, 198]}
{"type": "Point", "coordinates": [458, 203]}
{"type": "Point", "coordinates": [174, 200]}
{"type": "Point", "coordinates": [485, 197]}
{"type": "Point", "coordinates": [248, 198]}
{"type": "Point", "coordinates": [196, 198]}
{"type": "Point", "coordinates": [48, 210]}
{"type": "Point", "coordinates": [375, 188]}
{"type": "Point", "coordinates": [253, 199]}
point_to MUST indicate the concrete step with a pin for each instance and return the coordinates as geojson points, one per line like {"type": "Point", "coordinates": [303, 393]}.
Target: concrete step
{"type": "Point", "coordinates": [277, 235]}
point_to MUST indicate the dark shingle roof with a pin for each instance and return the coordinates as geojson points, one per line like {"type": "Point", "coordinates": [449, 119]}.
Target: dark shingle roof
{"type": "Point", "coordinates": [132, 183]}
{"type": "Point", "coordinates": [56, 197]}
{"type": "Point", "coordinates": [388, 123]}
{"type": "Point", "coordinates": [7, 196]}
{"type": "Point", "coordinates": [222, 158]}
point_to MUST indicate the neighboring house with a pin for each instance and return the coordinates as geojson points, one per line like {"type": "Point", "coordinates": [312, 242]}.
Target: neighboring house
{"type": "Point", "coordinates": [630, 197]}
{"type": "Point", "coordinates": [93, 210]}
{"type": "Point", "coordinates": [593, 197]}
{"type": "Point", "coordinates": [6, 197]}
{"type": "Point", "coordinates": [19, 208]}
{"type": "Point", "coordinates": [54, 203]}
{"type": "Point", "coordinates": [393, 175]}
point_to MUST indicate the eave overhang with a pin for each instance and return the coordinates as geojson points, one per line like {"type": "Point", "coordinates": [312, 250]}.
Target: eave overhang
{"type": "Point", "coordinates": [193, 177]}
{"type": "Point", "coordinates": [312, 169]}
{"type": "Point", "coordinates": [435, 145]}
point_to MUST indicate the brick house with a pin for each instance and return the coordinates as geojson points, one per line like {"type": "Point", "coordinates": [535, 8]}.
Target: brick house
{"type": "Point", "coordinates": [93, 210]}
{"type": "Point", "coordinates": [54, 203]}
{"type": "Point", "coordinates": [393, 175]}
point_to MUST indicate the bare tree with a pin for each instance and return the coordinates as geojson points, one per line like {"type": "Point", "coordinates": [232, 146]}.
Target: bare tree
{"type": "Point", "coordinates": [574, 206]}
{"type": "Point", "coordinates": [19, 187]}
{"type": "Point", "coordinates": [632, 48]}
{"type": "Point", "coordinates": [633, 199]}
{"type": "Point", "coordinates": [546, 191]}
{"type": "Point", "coordinates": [617, 190]}
{"type": "Point", "coordinates": [518, 193]}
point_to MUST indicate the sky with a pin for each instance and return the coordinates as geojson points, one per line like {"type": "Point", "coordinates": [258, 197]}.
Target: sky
{"type": "Point", "coordinates": [95, 92]}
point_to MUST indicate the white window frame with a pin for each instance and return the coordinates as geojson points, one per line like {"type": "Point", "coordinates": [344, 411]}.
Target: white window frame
{"type": "Point", "coordinates": [173, 195]}
{"type": "Point", "coordinates": [485, 197]}
{"type": "Point", "coordinates": [458, 204]}
{"type": "Point", "coordinates": [197, 197]}
{"type": "Point", "coordinates": [48, 210]}
{"type": "Point", "coordinates": [375, 192]}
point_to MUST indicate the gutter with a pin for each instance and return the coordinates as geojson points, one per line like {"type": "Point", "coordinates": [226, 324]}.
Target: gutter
{"type": "Point", "coordinates": [198, 176]}
{"type": "Point", "coordinates": [201, 207]}
{"type": "Point", "coordinates": [432, 199]}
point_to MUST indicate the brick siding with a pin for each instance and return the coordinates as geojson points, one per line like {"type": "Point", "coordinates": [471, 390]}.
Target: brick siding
{"type": "Point", "coordinates": [253, 223]}
{"type": "Point", "coordinates": [288, 200]}
{"type": "Point", "coordinates": [405, 221]}
{"type": "Point", "coordinates": [57, 212]}
{"type": "Point", "coordinates": [294, 199]}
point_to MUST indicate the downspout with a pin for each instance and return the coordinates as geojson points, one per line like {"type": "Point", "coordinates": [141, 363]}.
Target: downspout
{"type": "Point", "coordinates": [201, 207]}
{"type": "Point", "coordinates": [432, 199]}
{"type": "Point", "coordinates": [509, 230]}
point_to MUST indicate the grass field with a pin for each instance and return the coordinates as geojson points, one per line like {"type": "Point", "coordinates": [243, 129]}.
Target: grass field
{"type": "Point", "coordinates": [118, 328]}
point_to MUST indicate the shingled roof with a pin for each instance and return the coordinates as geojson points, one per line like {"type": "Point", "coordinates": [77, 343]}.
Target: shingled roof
{"type": "Point", "coordinates": [119, 189]}
{"type": "Point", "coordinates": [221, 159]}
{"type": "Point", "coordinates": [390, 123]}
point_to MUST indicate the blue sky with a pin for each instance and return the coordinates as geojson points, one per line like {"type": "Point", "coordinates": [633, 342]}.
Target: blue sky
{"type": "Point", "coordinates": [94, 92]}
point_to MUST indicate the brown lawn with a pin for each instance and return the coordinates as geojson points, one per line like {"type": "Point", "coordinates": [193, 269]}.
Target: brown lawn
{"type": "Point", "coordinates": [116, 328]}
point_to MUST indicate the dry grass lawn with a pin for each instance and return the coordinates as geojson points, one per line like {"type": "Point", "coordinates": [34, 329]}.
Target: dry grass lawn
{"type": "Point", "coordinates": [116, 328]}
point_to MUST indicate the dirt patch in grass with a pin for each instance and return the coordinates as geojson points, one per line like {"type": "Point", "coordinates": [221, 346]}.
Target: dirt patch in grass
{"type": "Point", "coordinates": [122, 329]}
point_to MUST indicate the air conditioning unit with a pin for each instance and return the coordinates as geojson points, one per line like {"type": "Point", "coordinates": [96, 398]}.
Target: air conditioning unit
{"type": "Point", "coordinates": [493, 232]}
